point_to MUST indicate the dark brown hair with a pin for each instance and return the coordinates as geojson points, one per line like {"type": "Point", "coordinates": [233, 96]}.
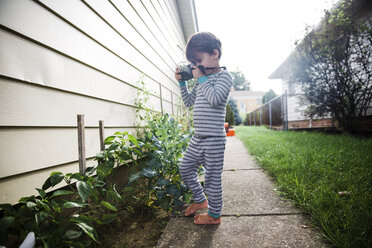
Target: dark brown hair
{"type": "Point", "coordinates": [204, 42]}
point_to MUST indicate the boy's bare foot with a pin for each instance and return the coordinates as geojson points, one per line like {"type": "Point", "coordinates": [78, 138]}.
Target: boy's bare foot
{"type": "Point", "coordinates": [206, 219]}
{"type": "Point", "coordinates": [195, 207]}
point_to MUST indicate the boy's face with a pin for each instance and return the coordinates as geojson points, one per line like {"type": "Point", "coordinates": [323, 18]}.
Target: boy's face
{"type": "Point", "coordinates": [206, 59]}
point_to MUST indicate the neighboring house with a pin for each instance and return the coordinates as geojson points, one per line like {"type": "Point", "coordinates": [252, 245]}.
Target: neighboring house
{"type": "Point", "coordinates": [247, 101]}
{"type": "Point", "coordinates": [296, 116]}
{"type": "Point", "coordinates": [62, 58]}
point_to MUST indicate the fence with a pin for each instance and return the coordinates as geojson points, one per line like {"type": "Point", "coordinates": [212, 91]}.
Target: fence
{"type": "Point", "coordinates": [273, 114]}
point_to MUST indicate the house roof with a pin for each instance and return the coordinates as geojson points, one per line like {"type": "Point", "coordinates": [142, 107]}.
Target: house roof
{"type": "Point", "coordinates": [246, 94]}
{"type": "Point", "coordinates": [189, 20]}
{"type": "Point", "coordinates": [359, 6]}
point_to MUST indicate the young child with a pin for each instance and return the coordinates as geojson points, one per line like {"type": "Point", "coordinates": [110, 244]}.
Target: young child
{"type": "Point", "coordinates": [207, 146]}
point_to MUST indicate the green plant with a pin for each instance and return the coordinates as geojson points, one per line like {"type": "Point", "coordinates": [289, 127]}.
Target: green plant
{"type": "Point", "coordinates": [229, 115]}
{"type": "Point", "coordinates": [56, 221]}
{"type": "Point", "coordinates": [164, 145]}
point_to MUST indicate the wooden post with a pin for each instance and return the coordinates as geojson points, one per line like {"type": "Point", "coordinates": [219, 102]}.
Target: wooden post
{"type": "Point", "coordinates": [286, 111]}
{"type": "Point", "coordinates": [260, 117]}
{"type": "Point", "coordinates": [270, 115]}
{"type": "Point", "coordinates": [101, 136]}
{"type": "Point", "coordinates": [254, 118]}
{"type": "Point", "coordinates": [81, 143]}
{"type": "Point", "coordinates": [172, 102]}
{"type": "Point", "coordinates": [161, 99]}
{"type": "Point", "coordinates": [250, 119]}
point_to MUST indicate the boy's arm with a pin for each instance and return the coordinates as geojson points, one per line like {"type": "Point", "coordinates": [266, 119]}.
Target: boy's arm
{"type": "Point", "coordinates": [188, 97]}
{"type": "Point", "coordinates": [218, 92]}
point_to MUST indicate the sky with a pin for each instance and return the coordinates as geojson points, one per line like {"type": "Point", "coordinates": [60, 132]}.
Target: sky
{"type": "Point", "coordinates": [257, 36]}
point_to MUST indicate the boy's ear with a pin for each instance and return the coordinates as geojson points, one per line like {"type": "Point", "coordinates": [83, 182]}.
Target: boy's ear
{"type": "Point", "coordinates": [216, 53]}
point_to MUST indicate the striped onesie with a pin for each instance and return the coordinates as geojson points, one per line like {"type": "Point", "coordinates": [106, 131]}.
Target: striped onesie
{"type": "Point", "coordinates": [207, 146]}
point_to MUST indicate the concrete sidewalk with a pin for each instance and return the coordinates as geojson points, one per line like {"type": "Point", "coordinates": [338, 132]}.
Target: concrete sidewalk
{"type": "Point", "coordinates": [254, 215]}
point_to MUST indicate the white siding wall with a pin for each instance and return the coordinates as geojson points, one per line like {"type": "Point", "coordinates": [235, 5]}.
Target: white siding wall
{"type": "Point", "coordinates": [62, 58]}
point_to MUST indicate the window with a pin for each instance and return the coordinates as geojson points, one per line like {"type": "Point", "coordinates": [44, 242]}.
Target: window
{"type": "Point", "coordinates": [242, 106]}
{"type": "Point", "coordinates": [259, 101]}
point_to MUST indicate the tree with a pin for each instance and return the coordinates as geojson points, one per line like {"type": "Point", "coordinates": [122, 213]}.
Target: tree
{"type": "Point", "coordinates": [234, 108]}
{"type": "Point", "coordinates": [334, 67]}
{"type": "Point", "coordinates": [268, 96]}
{"type": "Point", "coordinates": [239, 80]}
{"type": "Point", "coordinates": [229, 115]}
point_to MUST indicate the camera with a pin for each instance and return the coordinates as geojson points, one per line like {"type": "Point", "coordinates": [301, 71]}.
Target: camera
{"type": "Point", "coordinates": [186, 72]}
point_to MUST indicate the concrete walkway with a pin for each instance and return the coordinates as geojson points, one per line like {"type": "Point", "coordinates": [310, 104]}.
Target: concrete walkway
{"type": "Point", "coordinates": [254, 215]}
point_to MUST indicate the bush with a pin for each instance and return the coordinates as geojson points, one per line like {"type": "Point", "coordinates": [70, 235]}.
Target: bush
{"type": "Point", "coordinates": [229, 115]}
{"type": "Point", "coordinates": [163, 145]}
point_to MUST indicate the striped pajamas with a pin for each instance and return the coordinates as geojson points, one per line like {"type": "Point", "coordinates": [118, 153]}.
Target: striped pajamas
{"type": "Point", "coordinates": [207, 146]}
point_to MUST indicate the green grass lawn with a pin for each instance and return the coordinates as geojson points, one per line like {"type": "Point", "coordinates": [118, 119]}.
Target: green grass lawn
{"type": "Point", "coordinates": [328, 176]}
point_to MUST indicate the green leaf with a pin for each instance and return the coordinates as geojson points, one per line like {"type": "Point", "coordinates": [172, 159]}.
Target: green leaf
{"type": "Point", "coordinates": [40, 216]}
{"type": "Point", "coordinates": [133, 139]}
{"type": "Point", "coordinates": [80, 218]}
{"type": "Point", "coordinates": [24, 200]}
{"type": "Point", "coordinates": [113, 147]}
{"type": "Point", "coordinates": [88, 230]}
{"type": "Point", "coordinates": [108, 218]}
{"type": "Point", "coordinates": [99, 183]}
{"type": "Point", "coordinates": [103, 170]}
{"type": "Point", "coordinates": [89, 170]}
{"type": "Point", "coordinates": [47, 184]}
{"type": "Point", "coordinates": [42, 204]}
{"type": "Point", "coordinates": [6, 206]}
{"type": "Point", "coordinates": [41, 193]}
{"type": "Point", "coordinates": [130, 209]}
{"type": "Point", "coordinates": [113, 194]}
{"type": "Point", "coordinates": [73, 234]}
{"type": "Point", "coordinates": [56, 178]}
{"type": "Point", "coordinates": [6, 222]}
{"type": "Point", "coordinates": [31, 204]}
{"type": "Point", "coordinates": [135, 177]}
{"type": "Point", "coordinates": [73, 204]}
{"type": "Point", "coordinates": [149, 173]}
{"type": "Point", "coordinates": [77, 176]}
{"type": "Point", "coordinates": [83, 190]}
{"type": "Point", "coordinates": [108, 206]}
{"type": "Point", "coordinates": [62, 192]}
{"type": "Point", "coordinates": [109, 139]}
{"type": "Point", "coordinates": [128, 189]}
{"type": "Point", "coordinates": [165, 204]}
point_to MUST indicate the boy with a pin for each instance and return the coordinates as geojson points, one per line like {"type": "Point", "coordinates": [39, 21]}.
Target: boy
{"type": "Point", "coordinates": [207, 146]}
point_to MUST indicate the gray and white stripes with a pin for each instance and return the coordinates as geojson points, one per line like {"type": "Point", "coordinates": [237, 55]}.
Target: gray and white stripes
{"type": "Point", "coordinates": [207, 147]}
{"type": "Point", "coordinates": [208, 152]}
{"type": "Point", "coordinates": [209, 100]}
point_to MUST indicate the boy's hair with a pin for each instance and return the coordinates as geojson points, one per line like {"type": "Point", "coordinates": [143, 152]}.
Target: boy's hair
{"type": "Point", "coordinates": [204, 42]}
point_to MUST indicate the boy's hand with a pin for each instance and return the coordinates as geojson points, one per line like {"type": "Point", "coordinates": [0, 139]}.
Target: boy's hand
{"type": "Point", "coordinates": [177, 76]}
{"type": "Point", "coordinates": [197, 73]}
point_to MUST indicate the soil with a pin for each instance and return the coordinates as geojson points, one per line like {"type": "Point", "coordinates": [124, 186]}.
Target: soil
{"type": "Point", "coordinates": [133, 230]}
{"type": "Point", "coordinates": [136, 225]}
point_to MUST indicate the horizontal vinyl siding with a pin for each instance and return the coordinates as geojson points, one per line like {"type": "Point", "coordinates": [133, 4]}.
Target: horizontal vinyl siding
{"type": "Point", "coordinates": [59, 59]}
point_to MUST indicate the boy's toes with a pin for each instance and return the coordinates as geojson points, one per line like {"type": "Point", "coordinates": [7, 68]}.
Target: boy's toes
{"type": "Point", "coordinates": [205, 219]}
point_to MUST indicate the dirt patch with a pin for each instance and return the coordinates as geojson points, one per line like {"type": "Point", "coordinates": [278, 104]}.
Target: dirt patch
{"type": "Point", "coordinates": [132, 230]}
{"type": "Point", "coordinates": [136, 225]}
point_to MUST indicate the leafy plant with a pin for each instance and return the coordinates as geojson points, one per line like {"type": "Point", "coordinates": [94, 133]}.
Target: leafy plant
{"type": "Point", "coordinates": [164, 145]}
{"type": "Point", "coordinates": [55, 220]}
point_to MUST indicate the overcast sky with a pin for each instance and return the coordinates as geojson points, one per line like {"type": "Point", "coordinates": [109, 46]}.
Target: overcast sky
{"type": "Point", "coordinates": [257, 36]}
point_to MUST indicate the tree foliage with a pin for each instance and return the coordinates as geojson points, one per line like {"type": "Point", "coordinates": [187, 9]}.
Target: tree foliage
{"type": "Point", "coordinates": [268, 96]}
{"type": "Point", "coordinates": [239, 80]}
{"type": "Point", "coordinates": [229, 115]}
{"type": "Point", "coordinates": [334, 66]}
{"type": "Point", "coordinates": [234, 108]}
